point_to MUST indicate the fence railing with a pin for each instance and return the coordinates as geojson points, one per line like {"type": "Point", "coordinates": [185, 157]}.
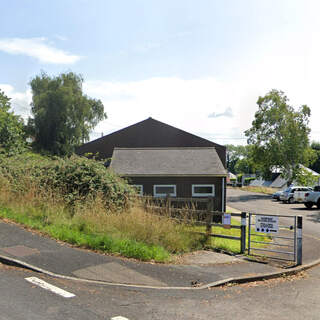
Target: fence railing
{"type": "Point", "coordinates": [200, 211]}
{"type": "Point", "coordinates": [189, 212]}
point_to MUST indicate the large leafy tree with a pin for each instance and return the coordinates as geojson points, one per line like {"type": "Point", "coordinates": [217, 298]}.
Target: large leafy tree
{"type": "Point", "coordinates": [11, 128]}
{"type": "Point", "coordinates": [62, 115]}
{"type": "Point", "coordinates": [280, 135]}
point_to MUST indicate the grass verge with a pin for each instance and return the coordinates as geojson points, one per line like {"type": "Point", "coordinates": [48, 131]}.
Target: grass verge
{"type": "Point", "coordinates": [229, 245]}
{"type": "Point", "coordinates": [101, 242]}
{"type": "Point", "coordinates": [264, 190]}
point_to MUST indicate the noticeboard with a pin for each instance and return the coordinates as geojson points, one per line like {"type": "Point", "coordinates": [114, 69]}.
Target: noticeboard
{"type": "Point", "coordinates": [227, 220]}
{"type": "Point", "coordinates": [267, 224]}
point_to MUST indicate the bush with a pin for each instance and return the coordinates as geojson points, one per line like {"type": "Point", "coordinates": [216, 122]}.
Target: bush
{"type": "Point", "coordinates": [75, 178]}
{"type": "Point", "coordinates": [248, 180]}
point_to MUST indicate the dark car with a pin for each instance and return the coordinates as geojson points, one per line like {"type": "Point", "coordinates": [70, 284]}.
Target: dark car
{"type": "Point", "coordinates": [277, 195]}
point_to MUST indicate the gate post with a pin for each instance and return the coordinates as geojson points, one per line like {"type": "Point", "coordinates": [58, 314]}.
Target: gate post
{"type": "Point", "coordinates": [299, 241]}
{"type": "Point", "coordinates": [243, 232]}
{"type": "Point", "coordinates": [249, 234]}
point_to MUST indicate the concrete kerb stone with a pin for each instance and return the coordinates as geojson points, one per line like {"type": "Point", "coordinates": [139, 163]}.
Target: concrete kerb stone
{"type": "Point", "coordinates": [236, 280]}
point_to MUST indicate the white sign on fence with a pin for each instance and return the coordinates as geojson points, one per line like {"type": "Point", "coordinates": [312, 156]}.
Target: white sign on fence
{"type": "Point", "coordinates": [267, 224]}
{"type": "Point", "coordinates": [227, 220]}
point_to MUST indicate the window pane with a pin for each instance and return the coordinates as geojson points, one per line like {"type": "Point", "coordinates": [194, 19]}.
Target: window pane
{"type": "Point", "coordinates": [164, 190]}
{"type": "Point", "coordinates": [206, 189]}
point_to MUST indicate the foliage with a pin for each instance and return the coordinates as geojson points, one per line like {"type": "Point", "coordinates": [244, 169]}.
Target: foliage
{"type": "Point", "coordinates": [306, 178]}
{"type": "Point", "coordinates": [80, 201]}
{"type": "Point", "coordinates": [75, 178]}
{"type": "Point", "coordinates": [279, 135]}
{"type": "Point", "coordinates": [11, 128]}
{"type": "Point", "coordinates": [239, 159]}
{"type": "Point", "coordinates": [248, 180]}
{"type": "Point", "coordinates": [75, 234]}
{"type": "Point", "coordinates": [63, 115]}
{"type": "Point", "coordinates": [315, 146]}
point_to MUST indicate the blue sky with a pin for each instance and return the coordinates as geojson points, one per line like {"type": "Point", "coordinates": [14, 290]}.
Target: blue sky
{"type": "Point", "coordinates": [199, 65]}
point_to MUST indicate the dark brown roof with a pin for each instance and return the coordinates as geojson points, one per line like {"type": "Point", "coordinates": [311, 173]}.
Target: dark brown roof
{"type": "Point", "coordinates": [149, 133]}
{"type": "Point", "coordinates": [167, 162]}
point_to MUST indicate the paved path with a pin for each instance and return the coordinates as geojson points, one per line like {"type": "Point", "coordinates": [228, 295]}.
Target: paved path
{"type": "Point", "coordinates": [60, 258]}
{"type": "Point", "coordinates": [198, 269]}
{"type": "Point", "coordinates": [281, 299]}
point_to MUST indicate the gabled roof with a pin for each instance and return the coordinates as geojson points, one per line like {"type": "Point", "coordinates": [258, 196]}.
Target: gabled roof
{"type": "Point", "coordinates": [149, 133]}
{"type": "Point", "coordinates": [167, 162]}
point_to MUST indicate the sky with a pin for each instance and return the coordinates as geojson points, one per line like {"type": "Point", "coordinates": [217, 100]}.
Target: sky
{"type": "Point", "coordinates": [199, 65]}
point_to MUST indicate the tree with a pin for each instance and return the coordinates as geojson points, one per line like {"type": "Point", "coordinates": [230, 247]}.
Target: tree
{"type": "Point", "coordinates": [11, 128]}
{"type": "Point", "coordinates": [239, 159]}
{"type": "Point", "coordinates": [62, 115]}
{"type": "Point", "coordinates": [280, 135]}
{"type": "Point", "coordinates": [315, 146]}
{"type": "Point", "coordinates": [306, 178]}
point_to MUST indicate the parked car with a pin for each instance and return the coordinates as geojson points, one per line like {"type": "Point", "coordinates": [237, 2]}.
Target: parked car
{"type": "Point", "coordinates": [288, 195]}
{"type": "Point", "coordinates": [301, 197]}
{"type": "Point", "coordinates": [313, 198]}
{"type": "Point", "coordinates": [277, 195]}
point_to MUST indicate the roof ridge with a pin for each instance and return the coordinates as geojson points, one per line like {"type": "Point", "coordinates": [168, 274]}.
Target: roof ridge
{"type": "Point", "coordinates": [163, 148]}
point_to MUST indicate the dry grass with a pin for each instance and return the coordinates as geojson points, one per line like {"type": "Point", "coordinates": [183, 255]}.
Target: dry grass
{"type": "Point", "coordinates": [48, 212]}
{"type": "Point", "coordinates": [264, 190]}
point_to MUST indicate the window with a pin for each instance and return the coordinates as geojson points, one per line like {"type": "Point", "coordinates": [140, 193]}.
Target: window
{"type": "Point", "coordinates": [202, 190]}
{"type": "Point", "coordinates": [162, 190]}
{"type": "Point", "coordinates": [139, 188]}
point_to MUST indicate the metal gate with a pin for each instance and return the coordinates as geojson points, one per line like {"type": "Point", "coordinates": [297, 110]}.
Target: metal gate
{"type": "Point", "coordinates": [281, 239]}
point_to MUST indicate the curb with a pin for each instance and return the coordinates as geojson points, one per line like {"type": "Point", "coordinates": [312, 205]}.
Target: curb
{"type": "Point", "coordinates": [237, 280]}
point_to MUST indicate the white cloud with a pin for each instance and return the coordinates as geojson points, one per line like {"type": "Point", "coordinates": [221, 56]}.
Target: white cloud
{"type": "Point", "coordinates": [20, 101]}
{"type": "Point", "coordinates": [226, 113]}
{"type": "Point", "coordinates": [179, 102]}
{"type": "Point", "coordinates": [38, 48]}
{"type": "Point", "coordinates": [187, 103]}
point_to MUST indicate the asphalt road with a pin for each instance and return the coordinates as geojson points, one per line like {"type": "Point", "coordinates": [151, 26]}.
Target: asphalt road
{"type": "Point", "coordinates": [293, 298]}
{"type": "Point", "coordinates": [263, 204]}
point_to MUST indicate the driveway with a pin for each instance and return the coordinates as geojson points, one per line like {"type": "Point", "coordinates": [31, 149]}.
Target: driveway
{"type": "Point", "coordinates": [261, 203]}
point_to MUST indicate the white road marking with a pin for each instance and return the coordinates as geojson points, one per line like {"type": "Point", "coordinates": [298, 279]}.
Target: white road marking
{"type": "Point", "coordinates": [119, 318]}
{"type": "Point", "coordinates": [50, 287]}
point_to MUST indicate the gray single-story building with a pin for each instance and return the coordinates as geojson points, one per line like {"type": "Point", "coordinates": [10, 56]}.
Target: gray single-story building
{"type": "Point", "coordinates": [179, 172]}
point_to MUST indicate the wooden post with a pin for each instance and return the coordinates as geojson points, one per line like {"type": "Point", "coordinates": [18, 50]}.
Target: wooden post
{"type": "Point", "coordinates": [168, 205]}
{"type": "Point", "coordinates": [209, 220]}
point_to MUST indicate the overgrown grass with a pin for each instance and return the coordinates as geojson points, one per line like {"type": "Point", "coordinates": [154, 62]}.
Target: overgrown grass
{"type": "Point", "coordinates": [79, 201]}
{"type": "Point", "coordinates": [74, 234]}
{"type": "Point", "coordinates": [130, 233]}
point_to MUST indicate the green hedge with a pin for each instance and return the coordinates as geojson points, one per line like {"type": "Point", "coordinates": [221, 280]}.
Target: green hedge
{"type": "Point", "coordinates": [75, 178]}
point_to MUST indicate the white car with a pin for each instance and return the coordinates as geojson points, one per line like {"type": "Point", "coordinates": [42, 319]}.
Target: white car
{"type": "Point", "coordinates": [287, 195]}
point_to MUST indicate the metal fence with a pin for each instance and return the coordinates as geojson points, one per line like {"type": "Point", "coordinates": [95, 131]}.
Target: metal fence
{"type": "Point", "coordinates": [277, 237]}
{"type": "Point", "coordinates": [284, 237]}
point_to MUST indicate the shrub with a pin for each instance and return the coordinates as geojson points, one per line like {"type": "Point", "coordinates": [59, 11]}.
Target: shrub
{"type": "Point", "coordinates": [248, 180]}
{"type": "Point", "coordinates": [75, 178]}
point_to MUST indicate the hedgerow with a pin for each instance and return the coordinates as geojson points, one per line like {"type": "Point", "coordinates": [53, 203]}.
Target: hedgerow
{"type": "Point", "coordinates": [75, 178]}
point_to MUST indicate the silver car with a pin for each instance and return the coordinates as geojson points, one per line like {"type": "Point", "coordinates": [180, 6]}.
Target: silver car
{"type": "Point", "coordinates": [287, 195]}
